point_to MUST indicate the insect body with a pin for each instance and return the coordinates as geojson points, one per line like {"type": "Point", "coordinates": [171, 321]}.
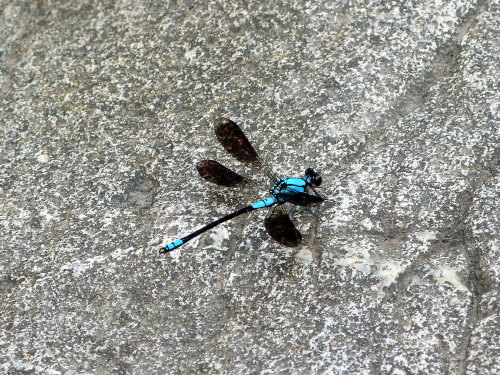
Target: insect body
{"type": "Point", "coordinates": [285, 190]}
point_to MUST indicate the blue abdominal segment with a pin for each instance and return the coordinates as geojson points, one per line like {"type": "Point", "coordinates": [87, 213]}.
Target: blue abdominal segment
{"type": "Point", "coordinates": [173, 245]}
{"type": "Point", "coordinates": [264, 203]}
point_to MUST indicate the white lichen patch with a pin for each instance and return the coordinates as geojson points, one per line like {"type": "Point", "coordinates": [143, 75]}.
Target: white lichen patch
{"type": "Point", "coordinates": [447, 275]}
{"type": "Point", "coordinates": [42, 158]}
{"type": "Point", "coordinates": [304, 256]}
{"type": "Point", "coordinates": [219, 235]}
{"type": "Point", "coordinates": [357, 263]}
{"type": "Point", "coordinates": [79, 267]}
{"type": "Point", "coordinates": [388, 272]}
{"type": "Point", "coordinates": [425, 235]}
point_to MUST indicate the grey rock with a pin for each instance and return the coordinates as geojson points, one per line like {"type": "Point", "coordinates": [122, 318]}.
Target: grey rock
{"type": "Point", "coordinates": [105, 109]}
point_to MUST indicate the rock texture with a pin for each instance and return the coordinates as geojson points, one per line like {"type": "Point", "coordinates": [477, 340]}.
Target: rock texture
{"type": "Point", "coordinates": [105, 109]}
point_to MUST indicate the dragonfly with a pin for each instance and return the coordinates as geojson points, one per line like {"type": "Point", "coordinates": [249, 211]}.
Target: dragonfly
{"type": "Point", "coordinates": [292, 190]}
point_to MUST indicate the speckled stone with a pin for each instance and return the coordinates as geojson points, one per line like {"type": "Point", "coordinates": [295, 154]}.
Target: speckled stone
{"type": "Point", "coordinates": [105, 109]}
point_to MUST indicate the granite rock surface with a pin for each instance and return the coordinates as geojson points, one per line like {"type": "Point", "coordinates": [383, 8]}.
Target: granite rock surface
{"type": "Point", "coordinates": [105, 109]}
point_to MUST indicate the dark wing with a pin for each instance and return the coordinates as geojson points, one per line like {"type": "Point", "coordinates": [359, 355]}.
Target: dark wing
{"type": "Point", "coordinates": [234, 141]}
{"type": "Point", "coordinates": [281, 229]}
{"type": "Point", "coordinates": [304, 199]}
{"type": "Point", "coordinates": [218, 174]}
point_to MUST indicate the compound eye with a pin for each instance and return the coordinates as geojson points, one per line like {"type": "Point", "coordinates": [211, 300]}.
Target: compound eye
{"type": "Point", "coordinates": [310, 172]}
{"type": "Point", "coordinates": [317, 180]}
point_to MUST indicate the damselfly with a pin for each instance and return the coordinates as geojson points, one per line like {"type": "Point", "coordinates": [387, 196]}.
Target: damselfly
{"type": "Point", "coordinates": [284, 190]}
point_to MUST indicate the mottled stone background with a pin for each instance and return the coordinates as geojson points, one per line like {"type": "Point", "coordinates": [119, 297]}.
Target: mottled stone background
{"type": "Point", "coordinates": [105, 107]}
